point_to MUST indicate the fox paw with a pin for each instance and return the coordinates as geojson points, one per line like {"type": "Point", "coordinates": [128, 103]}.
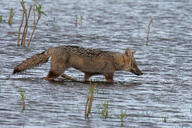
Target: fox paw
{"type": "Point", "coordinates": [48, 78]}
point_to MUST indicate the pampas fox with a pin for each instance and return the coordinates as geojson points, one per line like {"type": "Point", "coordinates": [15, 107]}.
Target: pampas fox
{"type": "Point", "coordinates": [89, 61]}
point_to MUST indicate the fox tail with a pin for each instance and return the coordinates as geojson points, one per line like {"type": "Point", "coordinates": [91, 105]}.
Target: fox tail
{"type": "Point", "coordinates": [33, 61]}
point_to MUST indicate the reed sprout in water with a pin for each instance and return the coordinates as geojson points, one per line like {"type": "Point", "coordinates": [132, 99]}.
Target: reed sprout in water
{"type": "Point", "coordinates": [104, 111]}
{"type": "Point", "coordinates": [22, 96]}
{"type": "Point", "coordinates": [122, 117]}
{"type": "Point", "coordinates": [11, 14]}
{"type": "Point", "coordinates": [149, 27]}
{"type": "Point", "coordinates": [89, 101]}
{"type": "Point", "coordinates": [81, 20]}
{"type": "Point", "coordinates": [38, 8]}
{"type": "Point", "coordinates": [25, 16]}
{"type": "Point", "coordinates": [1, 19]}
{"type": "Point", "coordinates": [164, 119]}
{"type": "Point", "coordinates": [76, 20]}
{"type": "Point", "coordinates": [21, 24]}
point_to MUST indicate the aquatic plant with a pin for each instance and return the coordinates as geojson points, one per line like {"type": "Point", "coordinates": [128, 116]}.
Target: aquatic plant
{"type": "Point", "coordinates": [164, 119]}
{"type": "Point", "coordinates": [122, 116]}
{"type": "Point", "coordinates": [26, 24]}
{"type": "Point", "coordinates": [149, 26]}
{"type": "Point", "coordinates": [89, 100]}
{"type": "Point", "coordinates": [22, 96]}
{"type": "Point", "coordinates": [11, 14]}
{"type": "Point", "coordinates": [81, 20]}
{"type": "Point", "coordinates": [20, 26]}
{"type": "Point", "coordinates": [40, 12]}
{"type": "Point", "coordinates": [76, 20]}
{"type": "Point", "coordinates": [104, 111]}
{"type": "Point", "coordinates": [1, 19]}
{"type": "Point", "coordinates": [26, 15]}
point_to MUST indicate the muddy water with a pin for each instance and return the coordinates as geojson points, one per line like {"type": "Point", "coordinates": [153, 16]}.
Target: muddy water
{"type": "Point", "coordinates": [162, 97]}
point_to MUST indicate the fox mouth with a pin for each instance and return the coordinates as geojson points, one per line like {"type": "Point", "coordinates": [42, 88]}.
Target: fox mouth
{"type": "Point", "coordinates": [137, 73]}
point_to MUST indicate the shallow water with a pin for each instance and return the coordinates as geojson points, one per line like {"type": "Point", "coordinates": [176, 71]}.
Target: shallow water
{"type": "Point", "coordinates": [162, 97]}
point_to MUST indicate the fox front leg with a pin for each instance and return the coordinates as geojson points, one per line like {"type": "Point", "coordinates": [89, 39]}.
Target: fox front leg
{"type": "Point", "coordinates": [87, 76]}
{"type": "Point", "coordinates": [57, 67]}
{"type": "Point", "coordinates": [109, 78]}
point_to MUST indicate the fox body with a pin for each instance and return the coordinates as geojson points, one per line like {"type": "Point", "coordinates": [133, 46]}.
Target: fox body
{"type": "Point", "coordinates": [89, 61]}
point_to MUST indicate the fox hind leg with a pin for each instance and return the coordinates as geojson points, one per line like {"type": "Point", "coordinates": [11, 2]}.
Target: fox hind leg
{"type": "Point", "coordinates": [58, 66]}
{"type": "Point", "coordinates": [54, 74]}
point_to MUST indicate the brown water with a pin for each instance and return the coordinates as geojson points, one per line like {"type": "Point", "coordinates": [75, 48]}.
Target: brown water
{"type": "Point", "coordinates": [162, 97]}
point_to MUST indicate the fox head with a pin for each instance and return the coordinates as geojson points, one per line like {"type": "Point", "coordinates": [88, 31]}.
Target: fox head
{"type": "Point", "coordinates": [128, 62]}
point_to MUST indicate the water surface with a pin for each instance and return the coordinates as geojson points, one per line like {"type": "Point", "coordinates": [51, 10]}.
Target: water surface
{"type": "Point", "coordinates": [161, 97]}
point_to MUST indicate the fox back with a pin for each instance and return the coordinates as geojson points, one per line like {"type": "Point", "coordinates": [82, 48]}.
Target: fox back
{"type": "Point", "coordinates": [99, 61]}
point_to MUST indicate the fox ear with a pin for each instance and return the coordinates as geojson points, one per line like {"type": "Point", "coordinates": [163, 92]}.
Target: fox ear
{"type": "Point", "coordinates": [128, 52]}
{"type": "Point", "coordinates": [133, 53]}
